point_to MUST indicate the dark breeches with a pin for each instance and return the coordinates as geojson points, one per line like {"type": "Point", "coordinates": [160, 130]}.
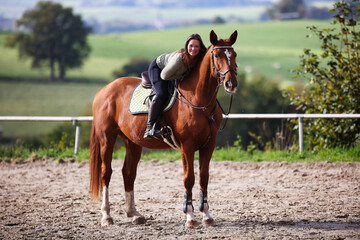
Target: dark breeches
{"type": "Point", "coordinates": [160, 86]}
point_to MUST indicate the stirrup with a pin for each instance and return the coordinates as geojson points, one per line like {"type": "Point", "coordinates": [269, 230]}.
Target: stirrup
{"type": "Point", "coordinates": [152, 133]}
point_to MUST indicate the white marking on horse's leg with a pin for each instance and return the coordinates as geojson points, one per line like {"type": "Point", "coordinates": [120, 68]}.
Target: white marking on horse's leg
{"type": "Point", "coordinates": [105, 208]}
{"type": "Point", "coordinates": [130, 204]}
{"type": "Point", "coordinates": [190, 218]}
{"type": "Point", "coordinates": [131, 210]}
{"type": "Point", "coordinates": [204, 208]}
{"type": "Point", "coordinates": [189, 214]}
{"type": "Point", "coordinates": [207, 219]}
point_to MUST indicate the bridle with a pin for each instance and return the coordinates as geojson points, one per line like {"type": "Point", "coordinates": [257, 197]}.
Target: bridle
{"type": "Point", "coordinates": [220, 79]}
{"type": "Point", "coordinates": [217, 71]}
{"type": "Point", "coordinates": [220, 76]}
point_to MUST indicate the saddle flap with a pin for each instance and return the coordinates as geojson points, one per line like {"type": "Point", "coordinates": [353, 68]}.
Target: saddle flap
{"type": "Point", "coordinates": [140, 97]}
{"type": "Point", "coordinates": [145, 80]}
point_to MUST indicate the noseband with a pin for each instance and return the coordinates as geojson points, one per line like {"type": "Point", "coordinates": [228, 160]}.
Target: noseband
{"type": "Point", "coordinates": [220, 75]}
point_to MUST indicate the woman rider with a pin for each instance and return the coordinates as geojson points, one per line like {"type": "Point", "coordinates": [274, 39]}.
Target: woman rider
{"type": "Point", "coordinates": [171, 66]}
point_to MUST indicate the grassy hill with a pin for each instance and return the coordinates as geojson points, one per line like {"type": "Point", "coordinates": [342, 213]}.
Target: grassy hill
{"type": "Point", "coordinates": [272, 48]}
{"type": "Point", "coordinates": [259, 46]}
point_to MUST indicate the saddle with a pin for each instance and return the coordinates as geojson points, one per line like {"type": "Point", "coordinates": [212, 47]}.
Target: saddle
{"type": "Point", "coordinates": [143, 94]}
{"type": "Point", "coordinates": [139, 104]}
{"type": "Point", "coordinates": [145, 80]}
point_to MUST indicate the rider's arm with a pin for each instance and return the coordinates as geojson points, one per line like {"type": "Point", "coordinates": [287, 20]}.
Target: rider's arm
{"type": "Point", "coordinates": [173, 69]}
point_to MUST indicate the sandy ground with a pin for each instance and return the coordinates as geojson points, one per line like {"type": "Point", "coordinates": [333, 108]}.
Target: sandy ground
{"type": "Point", "coordinates": [268, 200]}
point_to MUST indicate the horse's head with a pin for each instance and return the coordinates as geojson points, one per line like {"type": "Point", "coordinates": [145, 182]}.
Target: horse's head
{"type": "Point", "coordinates": [223, 60]}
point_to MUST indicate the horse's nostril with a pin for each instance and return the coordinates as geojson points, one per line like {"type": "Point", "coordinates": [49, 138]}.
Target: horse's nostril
{"type": "Point", "coordinates": [228, 84]}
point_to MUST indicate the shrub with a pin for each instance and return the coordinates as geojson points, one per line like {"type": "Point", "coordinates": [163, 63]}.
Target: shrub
{"type": "Point", "coordinates": [134, 68]}
{"type": "Point", "coordinates": [333, 80]}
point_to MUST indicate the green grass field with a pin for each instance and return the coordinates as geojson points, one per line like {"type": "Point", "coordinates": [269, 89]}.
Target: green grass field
{"type": "Point", "coordinates": [41, 99]}
{"type": "Point", "coordinates": [24, 91]}
{"type": "Point", "coordinates": [259, 46]}
{"type": "Point", "coordinates": [338, 154]}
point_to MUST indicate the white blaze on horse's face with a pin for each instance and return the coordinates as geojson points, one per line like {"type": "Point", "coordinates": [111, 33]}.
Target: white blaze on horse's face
{"type": "Point", "coordinates": [228, 55]}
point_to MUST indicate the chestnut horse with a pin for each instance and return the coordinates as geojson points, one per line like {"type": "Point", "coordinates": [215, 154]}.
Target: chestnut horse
{"type": "Point", "coordinates": [194, 118]}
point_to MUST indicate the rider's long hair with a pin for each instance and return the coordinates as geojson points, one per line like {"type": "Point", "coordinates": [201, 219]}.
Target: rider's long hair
{"type": "Point", "coordinates": [186, 56]}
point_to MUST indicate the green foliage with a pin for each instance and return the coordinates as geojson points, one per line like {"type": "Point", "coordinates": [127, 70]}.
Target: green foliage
{"type": "Point", "coordinates": [62, 136]}
{"type": "Point", "coordinates": [257, 94]}
{"type": "Point", "coordinates": [289, 6]}
{"type": "Point", "coordinates": [218, 20]}
{"type": "Point", "coordinates": [334, 81]}
{"type": "Point", "coordinates": [56, 36]}
{"type": "Point", "coordinates": [135, 67]}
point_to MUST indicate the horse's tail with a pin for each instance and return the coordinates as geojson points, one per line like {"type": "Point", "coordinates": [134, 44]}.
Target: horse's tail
{"type": "Point", "coordinates": [95, 164]}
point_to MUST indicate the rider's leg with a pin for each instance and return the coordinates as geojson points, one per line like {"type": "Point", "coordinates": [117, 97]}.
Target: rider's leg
{"type": "Point", "coordinates": [161, 89]}
{"type": "Point", "coordinates": [155, 110]}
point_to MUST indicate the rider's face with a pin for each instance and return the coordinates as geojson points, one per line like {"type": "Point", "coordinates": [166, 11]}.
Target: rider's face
{"type": "Point", "coordinates": [193, 47]}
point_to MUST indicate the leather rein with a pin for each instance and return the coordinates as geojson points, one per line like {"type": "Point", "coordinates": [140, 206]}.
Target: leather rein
{"type": "Point", "coordinates": [220, 76]}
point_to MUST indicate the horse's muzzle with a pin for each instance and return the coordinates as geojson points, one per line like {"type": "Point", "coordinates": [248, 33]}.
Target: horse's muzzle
{"type": "Point", "coordinates": [230, 86]}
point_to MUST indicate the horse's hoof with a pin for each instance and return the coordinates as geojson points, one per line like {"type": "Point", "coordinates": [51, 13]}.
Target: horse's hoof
{"type": "Point", "coordinates": [138, 220]}
{"type": "Point", "coordinates": [192, 224]}
{"type": "Point", "coordinates": [107, 222]}
{"type": "Point", "coordinates": [208, 222]}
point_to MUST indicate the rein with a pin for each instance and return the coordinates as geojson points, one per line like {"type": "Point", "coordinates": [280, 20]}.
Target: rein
{"type": "Point", "coordinates": [219, 79]}
{"type": "Point", "coordinates": [226, 114]}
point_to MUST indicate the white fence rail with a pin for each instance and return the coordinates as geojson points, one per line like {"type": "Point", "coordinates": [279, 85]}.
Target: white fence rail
{"type": "Point", "coordinates": [300, 117]}
{"type": "Point", "coordinates": [74, 120]}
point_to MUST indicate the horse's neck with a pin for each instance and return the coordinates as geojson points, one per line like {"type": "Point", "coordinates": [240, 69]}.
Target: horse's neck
{"type": "Point", "coordinates": [200, 87]}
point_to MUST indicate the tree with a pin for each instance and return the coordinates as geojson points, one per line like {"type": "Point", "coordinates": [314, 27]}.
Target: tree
{"type": "Point", "coordinates": [135, 67]}
{"type": "Point", "coordinates": [218, 20]}
{"type": "Point", "coordinates": [333, 79]}
{"type": "Point", "coordinates": [55, 36]}
{"type": "Point", "coordinates": [288, 6]}
{"type": "Point", "coordinates": [287, 9]}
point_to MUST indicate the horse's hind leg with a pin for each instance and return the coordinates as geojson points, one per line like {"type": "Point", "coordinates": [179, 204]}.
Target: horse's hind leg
{"type": "Point", "coordinates": [132, 158]}
{"type": "Point", "coordinates": [107, 141]}
{"type": "Point", "coordinates": [204, 161]}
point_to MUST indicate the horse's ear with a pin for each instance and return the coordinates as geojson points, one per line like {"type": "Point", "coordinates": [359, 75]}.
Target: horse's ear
{"type": "Point", "coordinates": [213, 38]}
{"type": "Point", "coordinates": [233, 37]}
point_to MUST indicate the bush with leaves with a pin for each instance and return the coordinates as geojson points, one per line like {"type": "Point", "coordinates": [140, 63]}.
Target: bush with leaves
{"type": "Point", "coordinates": [333, 80]}
{"type": "Point", "coordinates": [256, 95]}
{"type": "Point", "coordinates": [135, 67]}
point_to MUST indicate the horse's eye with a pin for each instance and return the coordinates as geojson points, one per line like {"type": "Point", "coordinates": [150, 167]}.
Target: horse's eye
{"type": "Point", "coordinates": [216, 56]}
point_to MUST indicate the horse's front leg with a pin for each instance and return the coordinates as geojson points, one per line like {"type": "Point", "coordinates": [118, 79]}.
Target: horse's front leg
{"type": "Point", "coordinates": [189, 180]}
{"type": "Point", "coordinates": [204, 161]}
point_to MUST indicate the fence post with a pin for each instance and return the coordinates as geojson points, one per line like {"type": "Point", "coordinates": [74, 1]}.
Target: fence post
{"type": "Point", "coordinates": [77, 136]}
{"type": "Point", "coordinates": [301, 135]}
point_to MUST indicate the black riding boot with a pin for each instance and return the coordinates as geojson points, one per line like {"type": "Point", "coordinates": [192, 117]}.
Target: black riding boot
{"type": "Point", "coordinates": [155, 110]}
